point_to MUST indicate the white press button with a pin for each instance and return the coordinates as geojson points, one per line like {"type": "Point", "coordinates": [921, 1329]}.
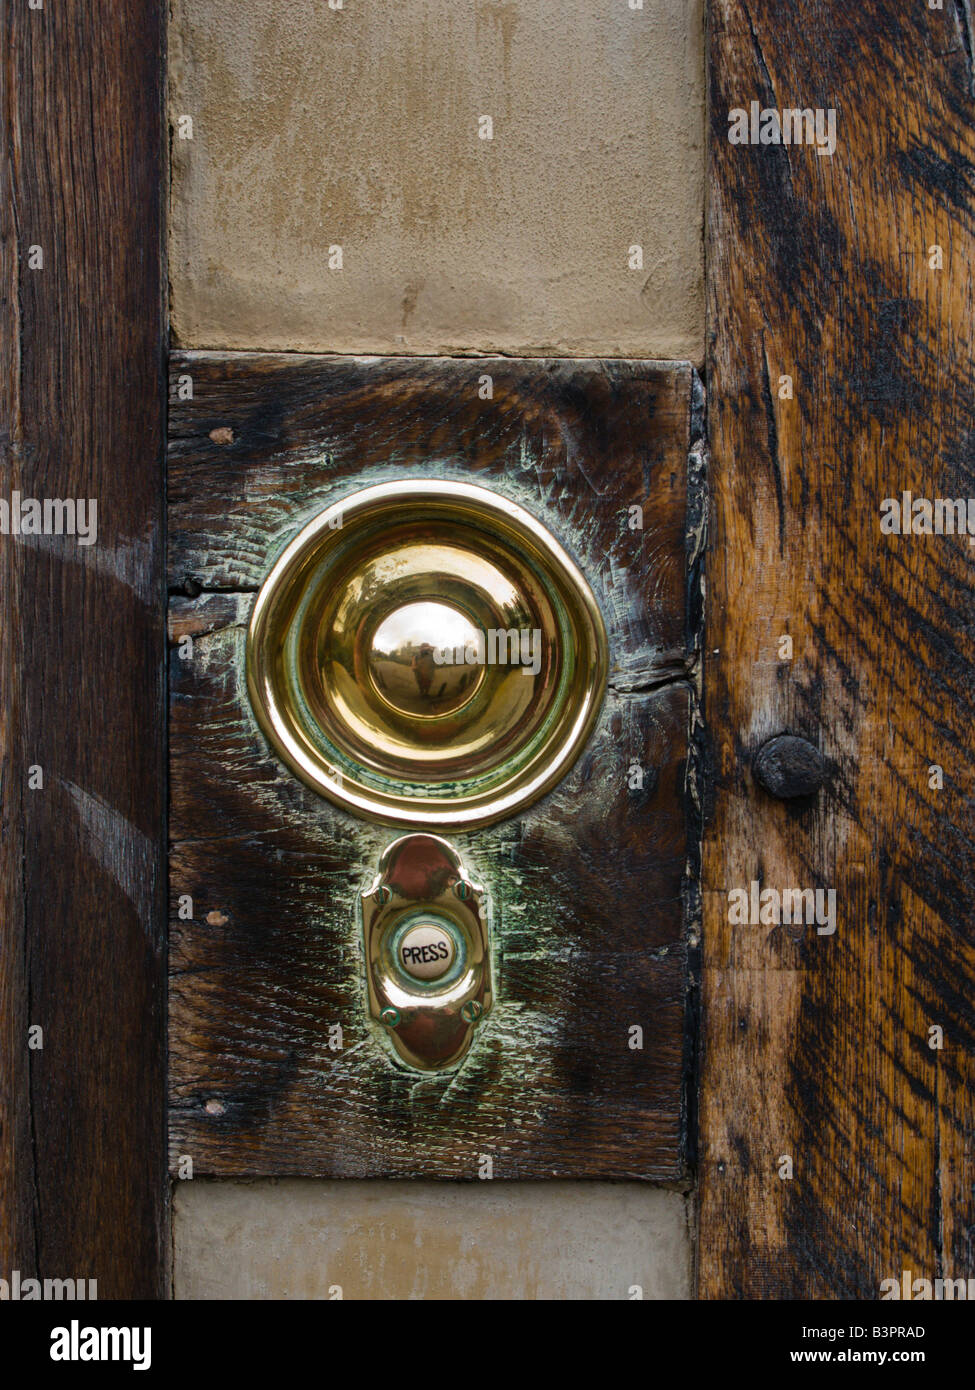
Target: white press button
{"type": "Point", "coordinates": [426, 951]}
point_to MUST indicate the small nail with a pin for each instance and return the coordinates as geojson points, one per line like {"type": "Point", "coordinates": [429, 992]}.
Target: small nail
{"type": "Point", "coordinates": [788, 766]}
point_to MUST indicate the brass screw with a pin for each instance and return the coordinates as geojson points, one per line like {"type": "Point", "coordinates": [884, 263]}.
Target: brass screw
{"type": "Point", "coordinates": [383, 895]}
{"type": "Point", "coordinates": [471, 1011]}
{"type": "Point", "coordinates": [390, 1016]}
{"type": "Point", "coordinates": [464, 889]}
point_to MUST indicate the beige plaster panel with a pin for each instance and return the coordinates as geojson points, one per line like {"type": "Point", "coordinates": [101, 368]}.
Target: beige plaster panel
{"type": "Point", "coordinates": [298, 1239]}
{"type": "Point", "coordinates": [358, 127]}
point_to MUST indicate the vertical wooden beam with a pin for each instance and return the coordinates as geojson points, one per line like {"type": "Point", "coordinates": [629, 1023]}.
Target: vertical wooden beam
{"type": "Point", "coordinates": [816, 1046]}
{"type": "Point", "coordinates": [82, 869]}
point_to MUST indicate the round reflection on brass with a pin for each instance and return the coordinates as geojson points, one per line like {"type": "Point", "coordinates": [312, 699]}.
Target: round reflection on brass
{"type": "Point", "coordinates": [425, 653]}
{"type": "Point", "coordinates": [418, 659]}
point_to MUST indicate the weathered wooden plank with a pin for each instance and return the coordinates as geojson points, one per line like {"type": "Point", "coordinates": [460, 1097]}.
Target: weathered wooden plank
{"type": "Point", "coordinates": [82, 1164]}
{"type": "Point", "coordinates": [587, 885]}
{"type": "Point", "coordinates": [820, 269]}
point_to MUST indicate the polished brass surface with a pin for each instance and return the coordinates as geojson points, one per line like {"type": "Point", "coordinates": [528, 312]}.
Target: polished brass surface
{"type": "Point", "coordinates": [432, 1021]}
{"type": "Point", "coordinates": [425, 653]}
{"type": "Point", "coordinates": [406, 660]}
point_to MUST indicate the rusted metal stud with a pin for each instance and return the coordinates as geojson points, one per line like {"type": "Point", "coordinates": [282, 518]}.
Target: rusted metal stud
{"type": "Point", "coordinates": [788, 766]}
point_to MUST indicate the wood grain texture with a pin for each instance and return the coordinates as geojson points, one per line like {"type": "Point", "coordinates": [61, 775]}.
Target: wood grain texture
{"type": "Point", "coordinates": [816, 1046]}
{"type": "Point", "coordinates": [82, 1158]}
{"type": "Point", "coordinates": [587, 886]}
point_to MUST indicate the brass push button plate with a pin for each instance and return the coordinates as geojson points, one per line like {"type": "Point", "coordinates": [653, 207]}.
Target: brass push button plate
{"type": "Point", "coordinates": [426, 654]}
{"type": "Point", "coordinates": [426, 935]}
